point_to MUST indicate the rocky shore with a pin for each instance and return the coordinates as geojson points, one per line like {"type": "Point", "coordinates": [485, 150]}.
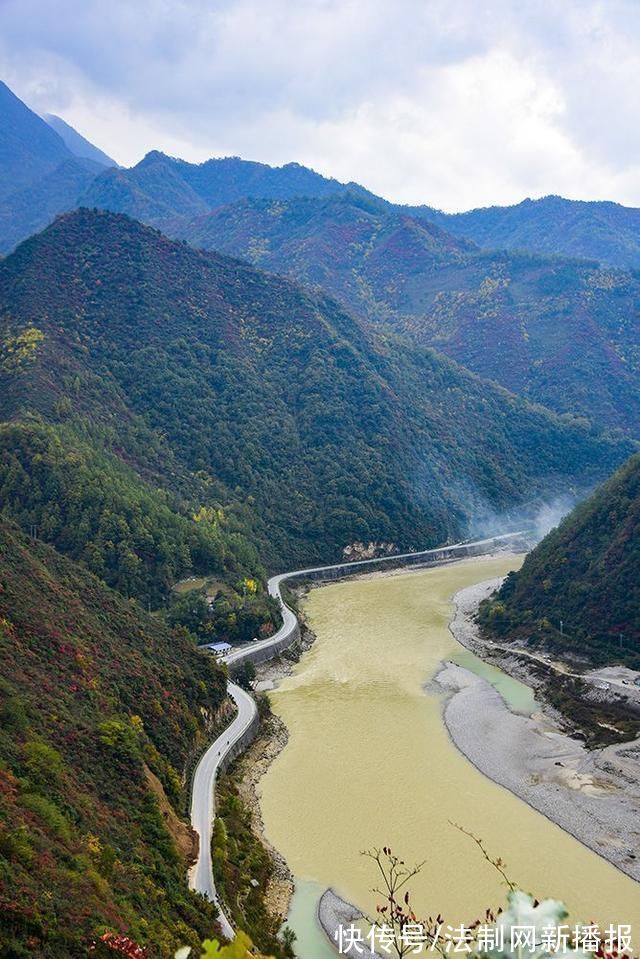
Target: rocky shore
{"type": "Point", "coordinates": [334, 912]}
{"type": "Point", "coordinates": [593, 794]}
{"type": "Point", "coordinates": [270, 741]}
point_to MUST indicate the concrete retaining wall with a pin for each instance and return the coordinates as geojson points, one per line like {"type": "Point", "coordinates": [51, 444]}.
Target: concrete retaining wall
{"type": "Point", "coordinates": [241, 743]}
{"type": "Point", "coordinates": [261, 654]}
{"type": "Point", "coordinates": [430, 557]}
{"type": "Point", "coordinates": [286, 637]}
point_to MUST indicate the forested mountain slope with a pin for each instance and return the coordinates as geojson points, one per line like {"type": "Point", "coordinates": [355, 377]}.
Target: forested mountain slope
{"type": "Point", "coordinates": [606, 232]}
{"type": "Point", "coordinates": [101, 709]}
{"type": "Point", "coordinates": [139, 535]}
{"type": "Point", "coordinates": [559, 332]}
{"type": "Point", "coordinates": [603, 231]}
{"type": "Point", "coordinates": [322, 431]}
{"type": "Point", "coordinates": [160, 185]}
{"type": "Point", "coordinates": [585, 574]}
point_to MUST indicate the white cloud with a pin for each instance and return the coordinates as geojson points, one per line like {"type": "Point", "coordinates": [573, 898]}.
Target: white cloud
{"type": "Point", "coordinates": [455, 104]}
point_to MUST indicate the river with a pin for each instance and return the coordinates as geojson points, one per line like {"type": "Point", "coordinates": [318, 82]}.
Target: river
{"type": "Point", "coordinates": [369, 763]}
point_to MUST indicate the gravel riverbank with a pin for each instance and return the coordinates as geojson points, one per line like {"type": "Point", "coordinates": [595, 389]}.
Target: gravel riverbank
{"type": "Point", "coordinates": [592, 794]}
{"type": "Point", "coordinates": [270, 741]}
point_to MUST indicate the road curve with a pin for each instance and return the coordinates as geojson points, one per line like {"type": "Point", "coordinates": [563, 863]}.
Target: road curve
{"type": "Point", "coordinates": [237, 734]}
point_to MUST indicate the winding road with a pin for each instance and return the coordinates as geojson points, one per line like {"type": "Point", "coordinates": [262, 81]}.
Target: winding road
{"type": "Point", "coordinates": [237, 735]}
{"type": "Point", "coordinates": [202, 798]}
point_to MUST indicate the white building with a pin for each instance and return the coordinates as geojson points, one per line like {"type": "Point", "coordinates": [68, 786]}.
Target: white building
{"type": "Point", "coordinates": [220, 649]}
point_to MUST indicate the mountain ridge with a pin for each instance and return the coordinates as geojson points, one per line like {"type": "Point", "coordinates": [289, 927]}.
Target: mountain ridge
{"type": "Point", "coordinates": [602, 230]}
{"type": "Point", "coordinates": [594, 230]}
{"type": "Point", "coordinates": [591, 229]}
{"type": "Point", "coordinates": [39, 176]}
{"type": "Point", "coordinates": [543, 327]}
{"type": "Point", "coordinates": [79, 145]}
{"type": "Point", "coordinates": [334, 433]}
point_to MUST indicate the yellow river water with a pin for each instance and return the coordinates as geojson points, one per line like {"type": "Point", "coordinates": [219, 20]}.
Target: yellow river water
{"type": "Point", "coordinates": [369, 762]}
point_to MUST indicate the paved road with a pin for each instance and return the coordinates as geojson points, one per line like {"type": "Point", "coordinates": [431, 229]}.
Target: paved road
{"type": "Point", "coordinates": [204, 779]}
{"type": "Point", "coordinates": [289, 620]}
{"type": "Point", "coordinates": [202, 797]}
{"type": "Point", "coordinates": [203, 787]}
{"type": "Point", "coordinates": [289, 623]}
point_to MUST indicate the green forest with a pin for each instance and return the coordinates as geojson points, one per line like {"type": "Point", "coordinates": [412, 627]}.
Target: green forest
{"type": "Point", "coordinates": [557, 331]}
{"type": "Point", "coordinates": [578, 592]}
{"type": "Point", "coordinates": [222, 387]}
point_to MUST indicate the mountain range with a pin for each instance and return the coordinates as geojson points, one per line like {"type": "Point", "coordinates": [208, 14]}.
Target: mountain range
{"type": "Point", "coordinates": [559, 332]}
{"type": "Point", "coordinates": [316, 415]}
{"type": "Point", "coordinates": [176, 365]}
{"type": "Point", "coordinates": [214, 370]}
{"type": "Point", "coordinates": [160, 186]}
{"type": "Point", "coordinates": [604, 232]}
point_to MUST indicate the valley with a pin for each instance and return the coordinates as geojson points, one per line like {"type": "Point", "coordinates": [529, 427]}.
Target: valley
{"type": "Point", "coordinates": [214, 370]}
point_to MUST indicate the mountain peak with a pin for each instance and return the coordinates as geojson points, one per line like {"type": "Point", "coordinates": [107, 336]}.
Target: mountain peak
{"type": "Point", "coordinates": [153, 156]}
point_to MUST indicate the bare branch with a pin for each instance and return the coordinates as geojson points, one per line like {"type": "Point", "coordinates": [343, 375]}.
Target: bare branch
{"type": "Point", "coordinates": [497, 864]}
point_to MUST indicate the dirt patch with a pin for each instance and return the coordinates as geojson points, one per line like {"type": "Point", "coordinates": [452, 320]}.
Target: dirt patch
{"type": "Point", "coordinates": [183, 835]}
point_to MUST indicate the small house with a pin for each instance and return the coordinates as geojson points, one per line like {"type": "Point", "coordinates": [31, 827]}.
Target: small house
{"type": "Point", "coordinates": [220, 649]}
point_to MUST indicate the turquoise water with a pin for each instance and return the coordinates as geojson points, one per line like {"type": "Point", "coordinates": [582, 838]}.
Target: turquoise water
{"type": "Point", "coordinates": [311, 942]}
{"type": "Point", "coordinates": [517, 695]}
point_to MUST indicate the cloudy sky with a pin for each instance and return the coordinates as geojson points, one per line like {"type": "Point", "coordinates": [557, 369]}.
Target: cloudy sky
{"type": "Point", "coordinates": [455, 103]}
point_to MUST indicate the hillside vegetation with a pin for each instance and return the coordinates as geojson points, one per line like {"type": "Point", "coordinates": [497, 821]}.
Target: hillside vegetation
{"type": "Point", "coordinates": [98, 510]}
{"type": "Point", "coordinates": [585, 574]}
{"type": "Point", "coordinates": [101, 709]}
{"type": "Point", "coordinates": [160, 186]}
{"type": "Point", "coordinates": [606, 232]}
{"type": "Point", "coordinates": [603, 231]}
{"type": "Point", "coordinates": [322, 432]}
{"type": "Point", "coordinates": [558, 332]}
